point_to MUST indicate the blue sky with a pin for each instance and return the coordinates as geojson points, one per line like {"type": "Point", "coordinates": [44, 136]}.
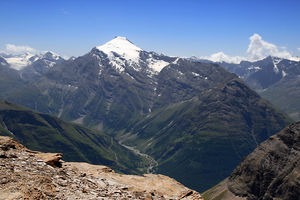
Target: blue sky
{"type": "Point", "coordinates": [173, 27]}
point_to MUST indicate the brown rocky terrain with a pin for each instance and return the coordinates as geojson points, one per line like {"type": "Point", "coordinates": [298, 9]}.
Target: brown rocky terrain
{"type": "Point", "coordinates": [26, 174]}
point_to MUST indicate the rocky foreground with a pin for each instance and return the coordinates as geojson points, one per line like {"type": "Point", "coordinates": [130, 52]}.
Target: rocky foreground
{"type": "Point", "coordinates": [26, 174]}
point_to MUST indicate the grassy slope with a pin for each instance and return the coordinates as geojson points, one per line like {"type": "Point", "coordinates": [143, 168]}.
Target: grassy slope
{"type": "Point", "coordinates": [9, 81]}
{"type": "Point", "coordinates": [286, 96]}
{"type": "Point", "coordinates": [199, 142]}
{"type": "Point", "coordinates": [49, 134]}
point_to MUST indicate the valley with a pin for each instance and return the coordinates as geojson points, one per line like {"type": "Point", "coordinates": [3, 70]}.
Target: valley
{"type": "Point", "coordinates": [193, 121]}
{"type": "Point", "coordinates": [150, 162]}
{"type": "Point", "coordinates": [149, 100]}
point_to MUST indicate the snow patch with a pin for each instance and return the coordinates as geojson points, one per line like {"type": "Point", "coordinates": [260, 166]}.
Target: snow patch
{"type": "Point", "coordinates": [196, 74]}
{"type": "Point", "coordinates": [255, 68]}
{"type": "Point", "coordinates": [180, 73]}
{"type": "Point", "coordinates": [97, 56]}
{"type": "Point", "coordinates": [72, 87]}
{"type": "Point", "coordinates": [275, 62]}
{"type": "Point", "coordinates": [175, 61]}
{"type": "Point", "coordinates": [19, 62]}
{"type": "Point", "coordinates": [156, 65]}
{"type": "Point", "coordinates": [276, 70]}
{"type": "Point", "coordinates": [50, 63]}
{"type": "Point", "coordinates": [130, 76]}
{"type": "Point", "coordinates": [283, 73]}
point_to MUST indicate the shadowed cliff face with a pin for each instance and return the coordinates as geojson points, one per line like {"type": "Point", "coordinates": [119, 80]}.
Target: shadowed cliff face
{"type": "Point", "coordinates": [272, 170]}
{"type": "Point", "coordinates": [26, 174]}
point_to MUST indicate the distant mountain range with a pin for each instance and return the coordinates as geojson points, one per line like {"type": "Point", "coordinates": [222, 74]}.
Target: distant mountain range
{"type": "Point", "coordinates": [276, 79]}
{"type": "Point", "coordinates": [195, 119]}
{"type": "Point", "coordinates": [24, 60]}
{"type": "Point", "coordinates": [31, 66]}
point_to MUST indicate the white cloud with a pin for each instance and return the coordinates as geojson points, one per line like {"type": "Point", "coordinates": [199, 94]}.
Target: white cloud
{"type": "Point", "coordinates": [17, 50]}
{"type": "Point", "coordinates": [258, 49]}
{"type": "Point", "coordinates": [298, 49]}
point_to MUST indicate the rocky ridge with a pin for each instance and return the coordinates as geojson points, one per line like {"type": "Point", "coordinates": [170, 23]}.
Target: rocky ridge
{"type": "Point", "coordinates": [272, 171]}
{"type": "Point", "coordinates": [27, 174]}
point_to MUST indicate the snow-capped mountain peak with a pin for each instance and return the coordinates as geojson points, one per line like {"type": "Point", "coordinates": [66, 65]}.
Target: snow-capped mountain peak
{"type": "Point", "coordinates": [122, 53]}
{"type": "Point", "coordinates": [18, 62]}
{"type": "Point", "coordinates": [123, 47]}
{"type": "Point", "coordinates": [21, 61]}
{"type": "Point", "coordinates": [51, 55]}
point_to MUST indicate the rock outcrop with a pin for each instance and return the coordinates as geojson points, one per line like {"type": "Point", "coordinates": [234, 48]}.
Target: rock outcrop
{"type": "Point", "coordinates": [26, 174]}
{"type": "Point", "coordinates": [272, 171]}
